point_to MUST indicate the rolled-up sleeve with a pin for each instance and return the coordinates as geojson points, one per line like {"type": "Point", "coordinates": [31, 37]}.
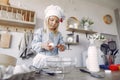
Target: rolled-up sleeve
{"type": "Point", "coordinates": [37, 41]}
{"type": "Point", "coordinates": [61, 41]}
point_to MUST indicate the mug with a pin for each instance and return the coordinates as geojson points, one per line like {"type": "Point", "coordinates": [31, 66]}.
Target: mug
{"type": "Point", "coordinates": [75, 25]}
{"type": "Point", "coordinates": [70, 26]}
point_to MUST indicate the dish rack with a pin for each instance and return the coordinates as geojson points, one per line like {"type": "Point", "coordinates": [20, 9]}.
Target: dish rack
{"type": "Point", "coordinates": [13, 19]}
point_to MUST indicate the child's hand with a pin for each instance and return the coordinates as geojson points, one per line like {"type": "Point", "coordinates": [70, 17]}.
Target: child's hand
{"type": "Point", "coordinates": [47, 46]}
{"type": "Point", "coordinates": [61, 47]}
{"type": "Point", "coordinates": [50, 46]}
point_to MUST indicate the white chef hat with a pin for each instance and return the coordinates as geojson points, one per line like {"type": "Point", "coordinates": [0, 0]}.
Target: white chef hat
{"type": "Point", "coordinates": [54, 10]}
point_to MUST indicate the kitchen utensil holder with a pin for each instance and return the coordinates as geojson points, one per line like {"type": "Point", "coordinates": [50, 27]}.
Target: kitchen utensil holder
{"type": "Point", "coordinates": [108, 59]}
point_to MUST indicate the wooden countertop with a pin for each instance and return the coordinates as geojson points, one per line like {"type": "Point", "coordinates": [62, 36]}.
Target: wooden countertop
{"type": "Point", "coordinates": [76, 74]}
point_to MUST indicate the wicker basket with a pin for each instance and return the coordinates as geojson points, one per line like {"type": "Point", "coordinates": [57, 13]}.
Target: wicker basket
{"type": "Point", "coordinates": [73, 22]}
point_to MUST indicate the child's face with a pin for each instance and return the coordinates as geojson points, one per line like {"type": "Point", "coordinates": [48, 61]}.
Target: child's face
{"type": "Point", "coordinates": [53, 23]}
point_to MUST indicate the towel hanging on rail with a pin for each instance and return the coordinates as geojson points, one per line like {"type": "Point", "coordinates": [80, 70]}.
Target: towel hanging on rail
{"type": "Point", "coordinates": [25, 48]}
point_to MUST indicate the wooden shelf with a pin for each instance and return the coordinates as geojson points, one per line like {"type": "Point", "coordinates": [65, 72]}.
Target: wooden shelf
{"type": "Point", "coordinates": [80, 31]}
{"type": "Point", "coordinates": [71, 43]}
{"type": "Point", "coordinates": [19, 23]}
{"type": "Point", "coordinates": [73, 28]}
{"type": "Point", "coordinates": [21, 18]}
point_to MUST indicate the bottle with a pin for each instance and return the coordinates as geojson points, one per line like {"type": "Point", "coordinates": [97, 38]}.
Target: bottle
{"type": "Point", "coordinates": [77, 38]}
{"type": "Point", "coordinates": [92, 59]}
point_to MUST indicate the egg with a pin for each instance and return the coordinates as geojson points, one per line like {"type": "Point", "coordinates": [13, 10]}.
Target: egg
{"type": "Point", "coordinates": [51, 44]}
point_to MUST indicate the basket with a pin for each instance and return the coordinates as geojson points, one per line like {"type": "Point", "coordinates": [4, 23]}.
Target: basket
{"type": "Point", "coordinates": [73, 22]}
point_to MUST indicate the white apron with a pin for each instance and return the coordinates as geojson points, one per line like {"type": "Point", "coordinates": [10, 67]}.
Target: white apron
{"type": "Point", "coordinates": [40, 60]}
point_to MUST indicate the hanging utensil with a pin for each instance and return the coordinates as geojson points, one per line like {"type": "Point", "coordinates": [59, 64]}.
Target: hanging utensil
{"type": "Point", "coordinates": [104, 48]}
{"type": "Point", "coordinates": [112, 57]}
{"type": "Point", "coordinates": [112, 46]}
{"type": "Point", "coordinates": [115, 52]}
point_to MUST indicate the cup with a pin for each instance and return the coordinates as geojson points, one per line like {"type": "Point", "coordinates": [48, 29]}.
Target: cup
{"type": "Point", "coordinates": [75, 25]}
{"type": "Point", "coordinates": [70, 26]}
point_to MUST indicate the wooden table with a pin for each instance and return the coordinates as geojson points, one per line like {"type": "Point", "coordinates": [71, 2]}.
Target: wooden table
{"type": "Point", "coordinates": [75, 74]}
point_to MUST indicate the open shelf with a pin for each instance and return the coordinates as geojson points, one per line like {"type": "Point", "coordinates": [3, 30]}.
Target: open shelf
{"type": "Point", "coordinates": [21, 18]}
{"type": "Point", "coordinates": [19, 23]}
{"type": "Point", "coordinates": [71, 43]}
{"type": "Point", "coordinates": [80, 31]}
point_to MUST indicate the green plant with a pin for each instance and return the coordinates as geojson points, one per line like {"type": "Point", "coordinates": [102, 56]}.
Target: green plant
{"type": "Point", "coordinates": [86, 21]}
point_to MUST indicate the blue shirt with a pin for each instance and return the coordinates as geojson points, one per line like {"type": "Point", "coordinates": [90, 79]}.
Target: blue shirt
{"type": "Point", "coordinates": [40, 37]}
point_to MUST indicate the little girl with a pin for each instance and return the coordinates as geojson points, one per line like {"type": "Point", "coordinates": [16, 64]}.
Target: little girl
{"type": "Point", "coordinates": [48, 40]}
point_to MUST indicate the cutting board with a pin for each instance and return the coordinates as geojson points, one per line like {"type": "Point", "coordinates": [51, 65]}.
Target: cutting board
{"type": "Point", "coordinates": [5, 40]}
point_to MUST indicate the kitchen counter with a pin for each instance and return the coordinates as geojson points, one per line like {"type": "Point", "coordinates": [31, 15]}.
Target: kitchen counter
{"type": "Point", "coordinates": [75, 74]}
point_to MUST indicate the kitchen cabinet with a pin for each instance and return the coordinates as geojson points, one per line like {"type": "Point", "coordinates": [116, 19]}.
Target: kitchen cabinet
{"type": "Point", "coordinates": [20, 18]}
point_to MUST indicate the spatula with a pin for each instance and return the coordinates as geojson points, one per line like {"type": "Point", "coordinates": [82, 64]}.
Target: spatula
{"type": "Point", "coordinates": [113, 47]}
{"type": "Point", "coordinates": [104, 48]}
{"type": "Point", "coordinates": [92, 74]}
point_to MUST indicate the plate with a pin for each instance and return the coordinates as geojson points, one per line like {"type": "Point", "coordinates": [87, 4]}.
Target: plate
{"type": "Point", "coordinates": [107, 19]}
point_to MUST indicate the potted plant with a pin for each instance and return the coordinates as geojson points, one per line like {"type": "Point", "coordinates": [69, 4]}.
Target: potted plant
{"type": "Point", "coordinates": [86, 22]}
